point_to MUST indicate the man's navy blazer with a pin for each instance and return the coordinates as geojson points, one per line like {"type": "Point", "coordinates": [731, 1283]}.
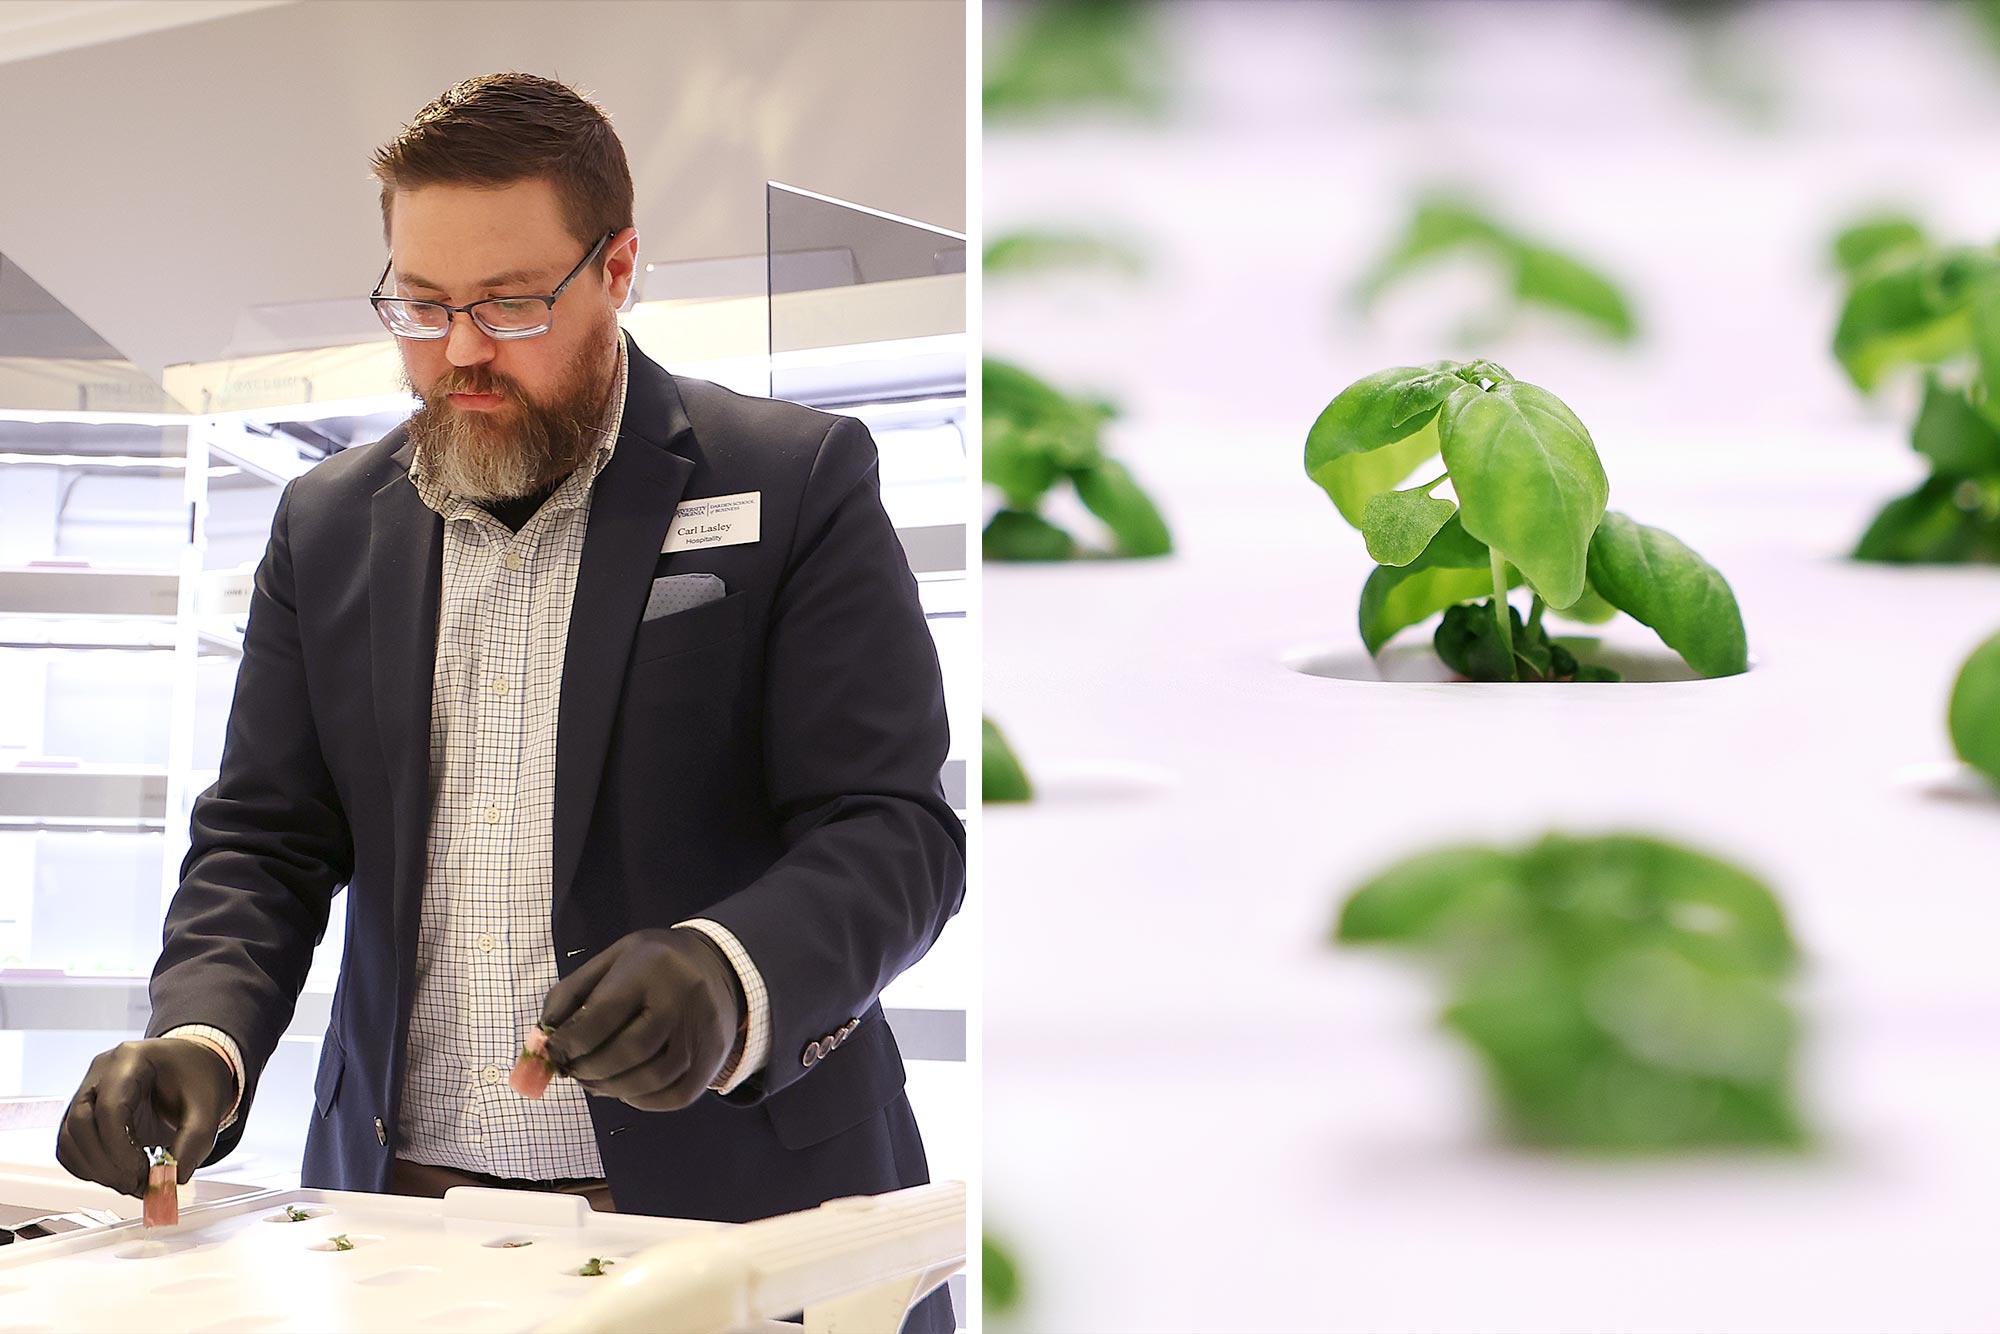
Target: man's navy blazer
{"type": "Point", "coordinates": [768, 760]}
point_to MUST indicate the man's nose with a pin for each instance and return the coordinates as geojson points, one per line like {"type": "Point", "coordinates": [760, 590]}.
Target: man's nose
{"type": "Point", "coordinates": [467, 344]}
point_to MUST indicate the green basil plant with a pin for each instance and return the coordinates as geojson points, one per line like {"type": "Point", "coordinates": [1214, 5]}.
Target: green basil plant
{"type": "Point", "coordinates": [1000, 1278]}
{"type": "Point", "coordinates": [1001, 777]}
{"type": "Point", "coordinates": [1622, 993]}
{"type": "Point", "coordinates": [1034, 439]}
{"type": "Point", "coordinates": [1537, 274]}
{"type": "Point", "coordinates": [1035, 249]}
{"type": "Point", "coordinates": [1974, 713]}
{"type": "Point", "coordinates": [1529, 510]}
{"type": "Point", "coordinates": [1914, 303]}
{"type": "Point", "coordinates": [1065, 55]}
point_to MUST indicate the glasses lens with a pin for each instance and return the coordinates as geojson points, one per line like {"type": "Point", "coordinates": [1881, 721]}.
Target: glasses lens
{"type": "Point", "coordinates": [510, 316]}
{"type": "Point", "coordinates": [413, 319]}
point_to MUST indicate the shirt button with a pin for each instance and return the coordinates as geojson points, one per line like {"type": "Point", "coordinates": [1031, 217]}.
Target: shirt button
{"type": "Point", "coordinates": [490, 1075]}
{"type": "Point", "coordinates": [485, 944]}
{"type": "Point", "coordinates": [493, 815]}
{"type": "Point", "coordinates": [499, 686]}
{"type": "Point", "coordinates": [513, 560]}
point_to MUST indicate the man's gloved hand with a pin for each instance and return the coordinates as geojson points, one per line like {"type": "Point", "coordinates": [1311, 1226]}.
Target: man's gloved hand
{"type": "Point", "coordinates": [650, 1021]}
{"type": "Point", "coordinates": [162, 1091]}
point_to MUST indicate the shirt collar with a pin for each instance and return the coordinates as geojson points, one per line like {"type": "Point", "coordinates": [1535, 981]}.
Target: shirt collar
{"type": "Point", "coordinates": [574, 489]}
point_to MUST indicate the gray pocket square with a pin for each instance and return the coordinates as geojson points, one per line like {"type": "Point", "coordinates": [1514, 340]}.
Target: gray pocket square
{"type": "Point", "coordinates": [678, 592]}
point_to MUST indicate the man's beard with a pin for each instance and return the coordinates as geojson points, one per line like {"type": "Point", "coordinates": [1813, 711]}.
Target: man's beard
{"type": "Point", "coordinates": [518, 450]}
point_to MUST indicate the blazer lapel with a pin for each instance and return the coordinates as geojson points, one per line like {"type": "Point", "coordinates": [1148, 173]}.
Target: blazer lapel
{"type": "Point", "coordinates": [405, 561]}
{"type": "Point", "coordinates": [631, 505]}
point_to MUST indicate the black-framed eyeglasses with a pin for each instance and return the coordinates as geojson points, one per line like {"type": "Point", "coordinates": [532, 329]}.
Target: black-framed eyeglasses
{"type": "Point", "coordinates": [496, 316]}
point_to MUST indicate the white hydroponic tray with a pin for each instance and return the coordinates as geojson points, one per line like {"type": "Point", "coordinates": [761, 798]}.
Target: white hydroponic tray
{"type": "Point", "coordinates": [416, 1264]}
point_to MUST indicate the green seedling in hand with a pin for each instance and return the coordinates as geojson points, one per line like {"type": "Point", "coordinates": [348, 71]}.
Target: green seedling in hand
{"type": "Point", "coordinates": [1529, 510]}
{"type": "Point", "coordinates": [1536, 274]}
{"type": "Point", "coordinates": [1035, 439]}
{"type": "Point", "coordinates": [1622, 993]}
{"type": "Point", "coordinates": [1914, 304]}
{"type": "Point", "coordinates": [1974, 713]}
{"type": "Point", "coordinates": [1001, 776]}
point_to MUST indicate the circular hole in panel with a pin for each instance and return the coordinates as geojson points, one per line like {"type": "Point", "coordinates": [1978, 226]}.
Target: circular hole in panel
{"type": "Point", "coordinates": [390, 1278]}
{"type": "Point", "coordinates": [515, 1243]}
{"type": "Point", "coordinates": [311, 1211]}
{"type": "Point", "coordinates": [1084, 782]}
{"type": "Point", "coordinates": [1947, 780]}
{"type": "Point", "coordinates": [359, 1239]}
{"type": "Point", "coordinates": [1417, 662]}
{"type": "Point", "coordinates": [154, 1250]}
{"type": "Point", "coordinates": [189, 1286]}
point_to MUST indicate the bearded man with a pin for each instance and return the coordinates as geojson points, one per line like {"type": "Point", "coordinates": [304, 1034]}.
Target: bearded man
{"type": "Point", "coordinates": [607, 696]}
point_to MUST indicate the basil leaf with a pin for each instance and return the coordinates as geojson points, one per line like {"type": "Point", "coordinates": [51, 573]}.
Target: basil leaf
{"type": "Point", "coordinates": [1452, 569]}
{"type": "Point", "coordinates": [1653, 577]}
{"type": "Point", "coordinates": [1590, 609]}
{"type": "Point", "coordinates": [1060, 57]}
{"type": "Point", "coordinates": [1019, 535]}
{"type": "Point", "coordinates": [1439, 226]}
{"type": "Point", "coordinates": [1946, 519]}
{"type": "Point", "coordinates": [1375, 432]}
{"type": "Point", "coordinates": [1952, 435]}
{"type": "Point", "coordinates": [1032, 250]}
{"type": "Point", "coordinates": [1398, 525]}
{"type": "Point", "coordinates": [1898, 314]}
{"type": "Point", "coordinates": [1001, 776]}
{"type": "Point", "coordinates": [1528, 479]}
{"type": "Point", "coordinates": [1550, 278]}
{"type": "Point", "coordinates": [1862, 245]}
{"type": "Point", "coordinates": [1108, 491]}
{"type": "Point", "coordinates": [1429, 896]}
{"type": "Point", "coordinates": [1974, 714]}
{"type": "Point", "coordinates": [1468, 642]}
{"type": "Point", "coordinates": [1000, 1278]}
{"type": "Point", "coordinates": [1031, 433]}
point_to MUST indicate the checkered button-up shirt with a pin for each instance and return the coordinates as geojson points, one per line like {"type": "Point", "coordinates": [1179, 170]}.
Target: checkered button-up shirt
{"type": "Point", "coordinates": [485, 953]}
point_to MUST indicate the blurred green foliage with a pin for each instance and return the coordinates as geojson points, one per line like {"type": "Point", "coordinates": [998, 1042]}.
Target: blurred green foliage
{"type": "Point", "coordinates": [1066, 55]}
{"type": "Point", "coordinates": [1914, 304]}
{"type": "Point", "coordinates": [1974, 713]}
{"type": "Point", "coordinates": [1035, 250]}
{"type": "Point", "coordinates": [1001, 776]}
{"type": "Point", "coordinates": [1536, 273]}
{"type": "Point", "coordinates": [1035, 438]}
{"type": "Point", "coordinates": [1622, 992]}
{"type": "Point", "coordinates": [1000, 1278]}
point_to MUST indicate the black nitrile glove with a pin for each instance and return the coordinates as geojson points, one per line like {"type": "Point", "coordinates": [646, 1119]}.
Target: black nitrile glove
{"type": "Point", "coordinates": [158, 1092]}
{"type": "Point", "coordinates": [650, 1021]}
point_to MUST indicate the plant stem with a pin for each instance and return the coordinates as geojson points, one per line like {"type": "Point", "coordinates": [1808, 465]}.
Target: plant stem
{"type": "Point", "coordinates": [1501, 613]}
{"type": "Point", "coordinates": [1535, 614]}
{"type": "Point", "coordinates": [1431, 485]}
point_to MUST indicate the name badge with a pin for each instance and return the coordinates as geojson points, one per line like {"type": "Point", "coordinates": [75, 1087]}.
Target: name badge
{"type": "Point", "coordinates": [718, 521]}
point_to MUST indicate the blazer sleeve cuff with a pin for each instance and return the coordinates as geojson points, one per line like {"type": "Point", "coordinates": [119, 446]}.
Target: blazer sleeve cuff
{"type": "Point", "coordinates": [757, 1002]}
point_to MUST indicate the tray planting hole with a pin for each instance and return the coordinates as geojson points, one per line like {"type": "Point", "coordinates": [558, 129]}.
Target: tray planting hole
{"type": "Point", "coordinates": [516, 1242]}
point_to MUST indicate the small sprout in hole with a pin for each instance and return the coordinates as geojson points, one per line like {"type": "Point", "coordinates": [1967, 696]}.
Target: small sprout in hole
{"type": "Point", "coordinates": [1913, 303]}
{"type": "Point", "coordinates": [1035, 438]}
{"type": "Point", "coordinates": [294, 1214]}
{"type": "Point", "coordinates": [514, 1245]}
{"type": "Point", "coordinates": [1001, 1277]}
{"type": "Point", "coordinates": [161, 1206]}
{"type": "Point", "coordinates": [1000, 773]}
{"type": "Point", "coordinates": [1535, 274]}
{"type": "Point", "coordinates": [340, 1242]}
{"type": "Point", "coordinates": [1622, 993]}
{"type": "Point", "coordinates": [594, 1267]}
{"type": "Point", "coordinates": [1527, 508]}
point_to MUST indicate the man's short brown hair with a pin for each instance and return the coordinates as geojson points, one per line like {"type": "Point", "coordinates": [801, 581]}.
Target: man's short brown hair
{"type": "Point", "coordinates": [497, 129]}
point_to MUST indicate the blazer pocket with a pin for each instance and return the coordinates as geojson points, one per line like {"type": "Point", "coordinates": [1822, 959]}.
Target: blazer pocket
{"type": "Point", "coordinates": [332, 1062]}
{"type": "Point", "coordinates": [697, 627]}
{"type": "Point", "coordinates": [842, 1091]}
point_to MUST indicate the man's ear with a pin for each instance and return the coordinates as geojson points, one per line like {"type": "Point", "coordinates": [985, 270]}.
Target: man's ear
{"type": "Point", "coordinates": [621, 266]}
